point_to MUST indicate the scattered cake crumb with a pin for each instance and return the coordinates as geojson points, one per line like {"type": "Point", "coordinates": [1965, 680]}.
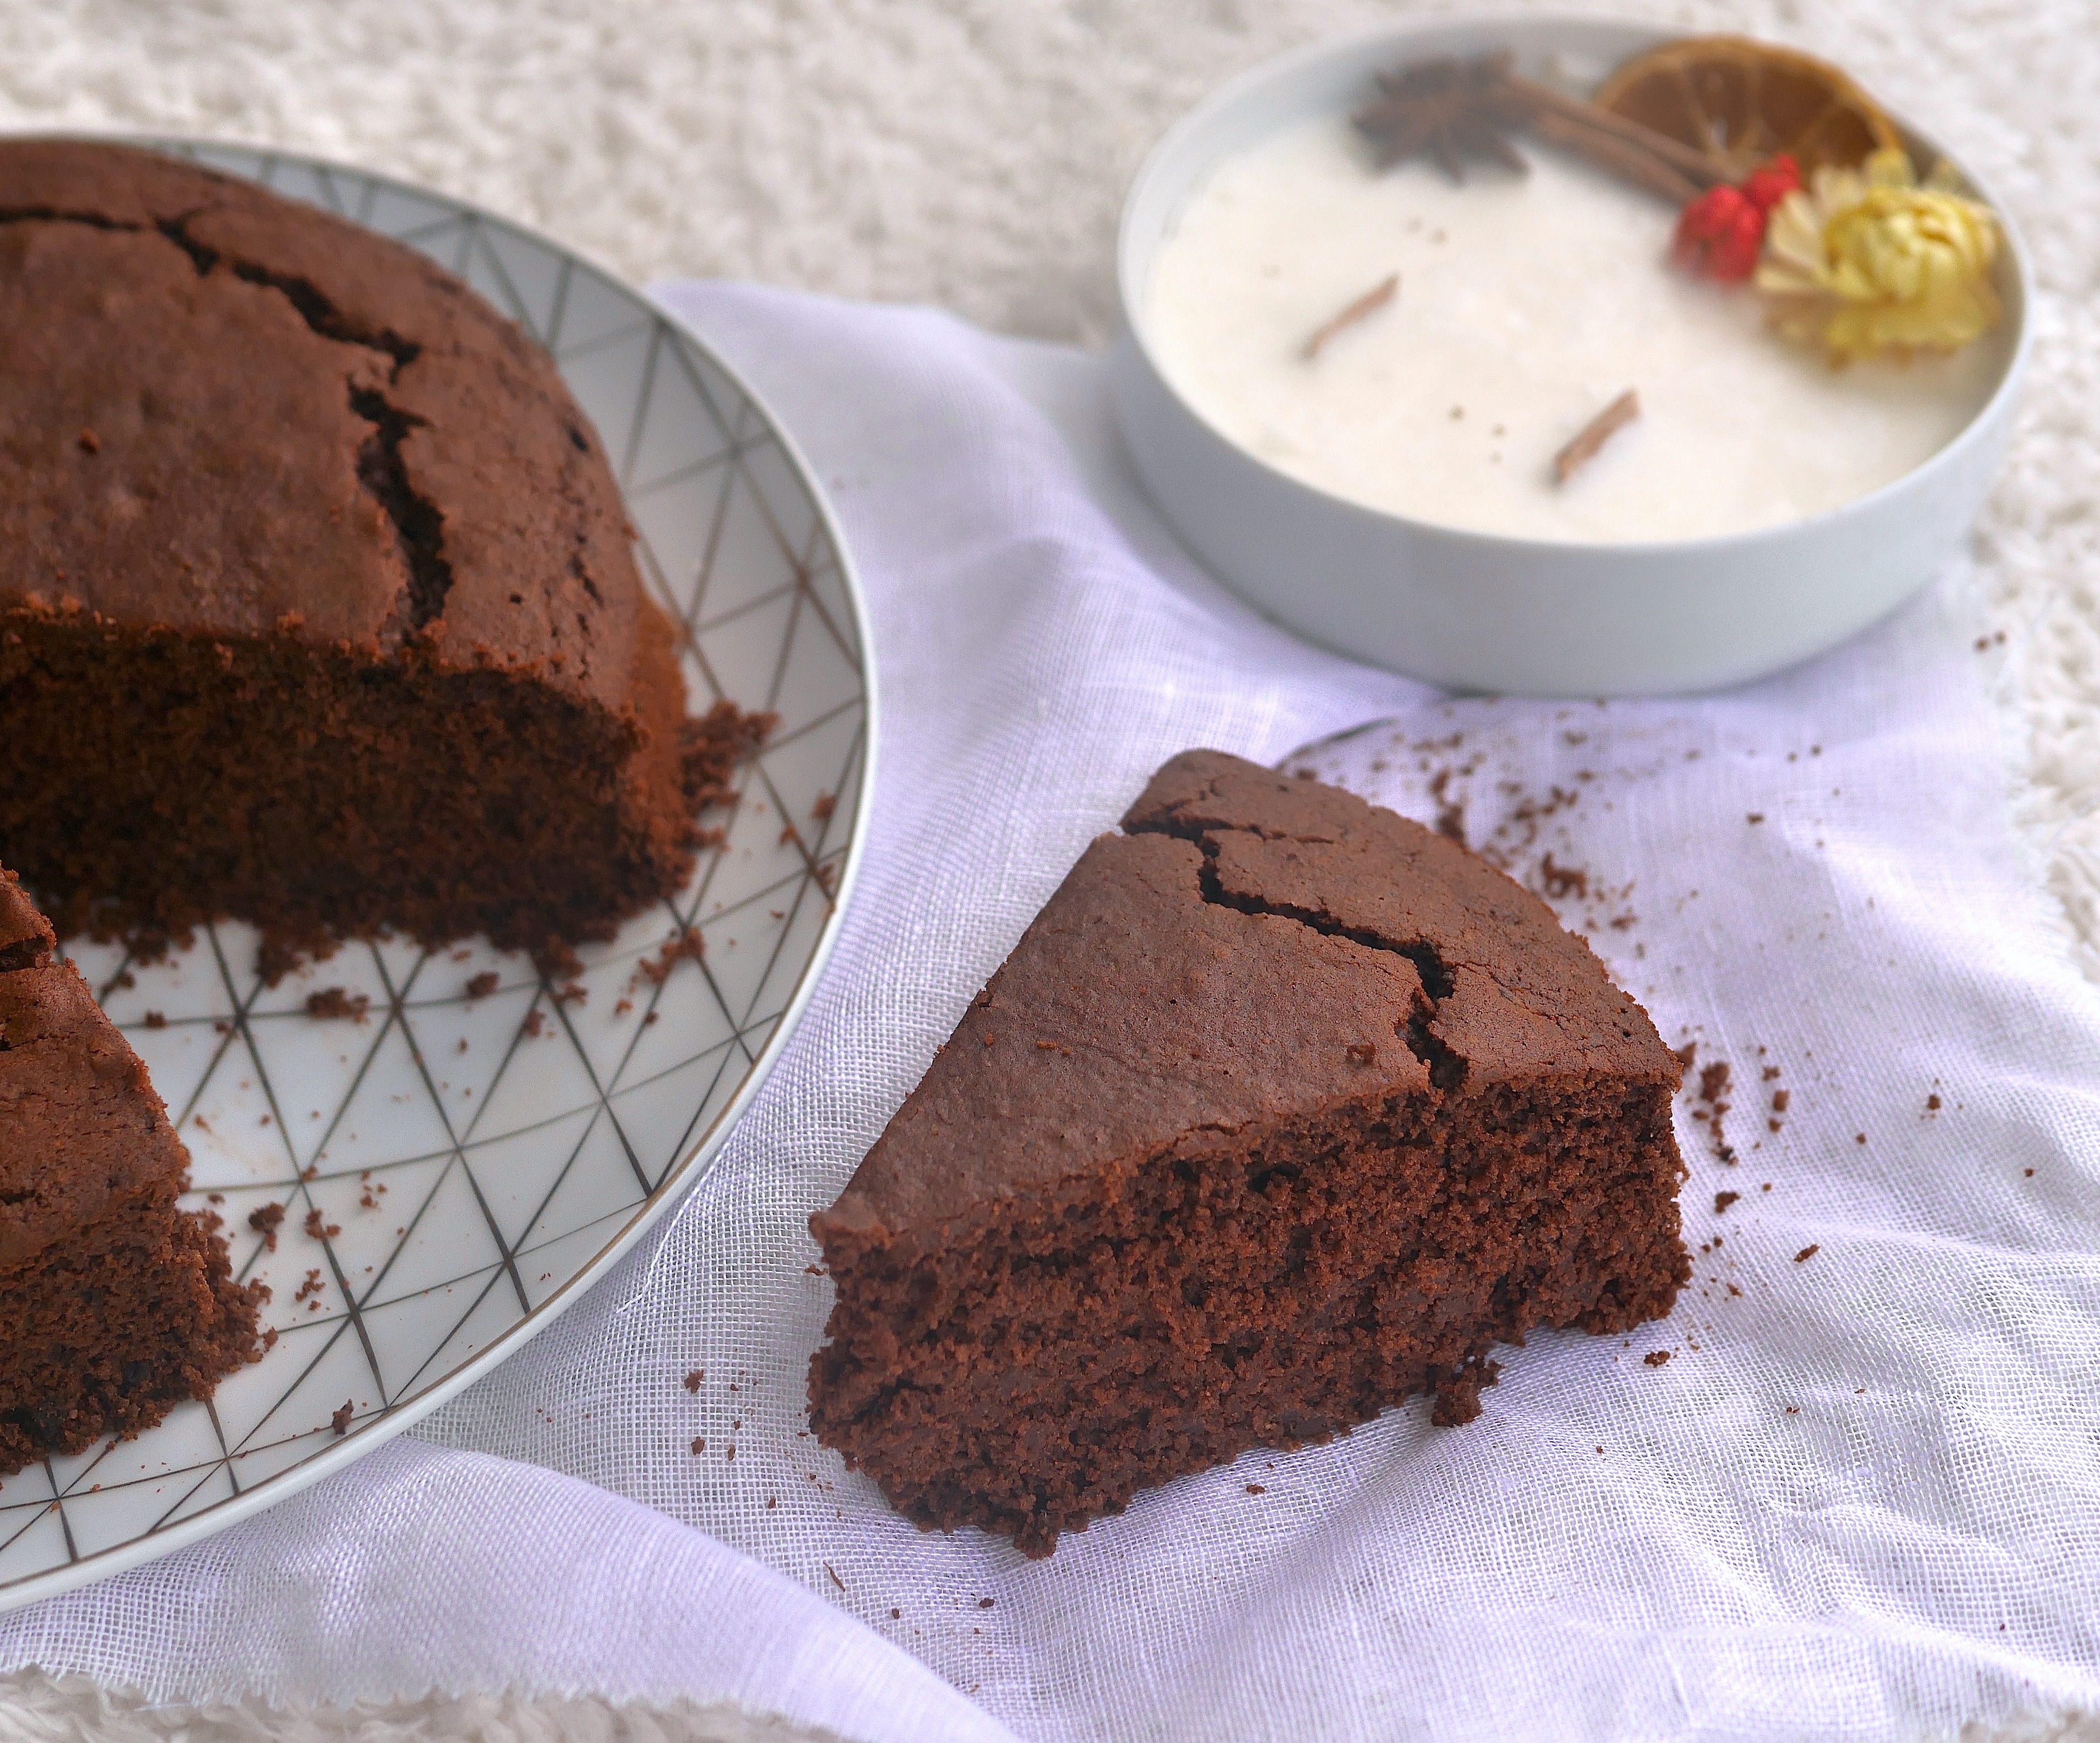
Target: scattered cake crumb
{"type": "Point", "coordinates": [1655, 1358]}
{"type": "Point", "coordinates": [1807, 1252]}
{"type": "Point", "coordinates": [699, 1444]}
{"type": "Point", "coordinates": [318, 1228]}
{"type": "Point", "coordinates": [155, 1020]}
{"type": "Point", "coordinates": [687, 945]}
{"type": "Point", "coordinates": [340, 1420]}
{"type": "Point", "coordinates": [484, 983]}
{"type": "Point", "coordinates": [332, 1003]}
{"type": "Point", "coordinates": [534, 1022]}
{"type": "Point", "coordinates": [1256, 1489]}
{"type": "Point", "coordinates": [1932, 1103]}
{"type": "Point", "coordinates": [264, 1220]}
{"type": "Point", "coordinates": [1723, 1200]}
{"type": "Point", "coordinates": [692, 1380]}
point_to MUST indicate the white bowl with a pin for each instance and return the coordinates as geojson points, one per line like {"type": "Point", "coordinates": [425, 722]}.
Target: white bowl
{"type": "Point", "coordinates": [1527, 616]}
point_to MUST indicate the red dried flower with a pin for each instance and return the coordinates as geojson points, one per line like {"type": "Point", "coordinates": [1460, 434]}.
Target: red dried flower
{"type": "Point", "coordinates": [1719, 234]}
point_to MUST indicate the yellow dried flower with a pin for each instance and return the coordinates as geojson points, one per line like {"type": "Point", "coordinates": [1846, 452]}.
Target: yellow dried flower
{"type": "Point", "coordinates": [1869, 260]}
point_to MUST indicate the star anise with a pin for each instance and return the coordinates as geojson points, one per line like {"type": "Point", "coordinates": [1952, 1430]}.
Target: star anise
{"type": "Point", "coordinates": [1448, 109]}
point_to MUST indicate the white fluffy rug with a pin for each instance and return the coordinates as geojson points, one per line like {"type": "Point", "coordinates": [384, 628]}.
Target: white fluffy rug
{"type": "Point", "coordinates": [972, 153]}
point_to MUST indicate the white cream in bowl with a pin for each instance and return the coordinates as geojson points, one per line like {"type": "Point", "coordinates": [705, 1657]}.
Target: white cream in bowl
{"type": "Point", "coordinates": [1526, 304]}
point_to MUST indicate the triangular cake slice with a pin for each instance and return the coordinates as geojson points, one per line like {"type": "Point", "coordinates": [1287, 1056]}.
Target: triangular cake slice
{"type": "Point", "coordinates": [1284, 1107]}
{"type": "Point", "coordinates": [115, 1304]}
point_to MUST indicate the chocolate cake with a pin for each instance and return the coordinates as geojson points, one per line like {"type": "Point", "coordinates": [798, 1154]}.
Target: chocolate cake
{"type": "Point", "coordinates": [1284, 1107]}
{"type": "Point", "coordinates": [317, 601]}
{"type": "Point", "coordinates": [115, 1306]}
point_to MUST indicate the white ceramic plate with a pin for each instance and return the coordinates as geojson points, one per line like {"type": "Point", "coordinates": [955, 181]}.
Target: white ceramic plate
{"type": "Point", "coordinates": [476, 1163]}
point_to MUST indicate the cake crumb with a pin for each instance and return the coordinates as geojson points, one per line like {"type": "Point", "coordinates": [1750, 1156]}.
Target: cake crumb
{"type": "Point", "coordinates": [340, 1420]}
{"type": "Point", "coordinates": [264, 1220]}
{"type": "Point", "coordinates": [484, 983]}
{"type": "Point", "coordinates": [1723, 1200]}
{"type": "Point", "coordinates": [1458, 1393]}
{"type": "Point", "coordinates": [156, 1020]}
{"type": "Point", "coordinates": [534, 1022]}
{"type": "Point", "coordinates": [1931, 1102]}
{"type": "Point", "coordinates": [692, 1380]}
{"type": "Point", "coordinates": [333, 1003]}
{"type": "Point", "coordinates": [984, 1603]}
{"type": "Point", "coordinates": [699, 1444]}
{"type": "Point", "coordinates": [1655, 1358]}
{"type": "Point", "coordinates": [1256, 1489]}
{"type": "Point", "coordinates": [317, 1229]}
{"type": "Point", "coordinates": [1807, 1252]}
{"type": "Point", "coordinates": [685, 945]}
{"type": "Point", "coordinates": [825, 805]}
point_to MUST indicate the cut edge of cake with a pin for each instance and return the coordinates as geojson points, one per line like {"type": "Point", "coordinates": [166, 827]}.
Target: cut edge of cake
{"type": "Point", "coordinates": [116, 1304]}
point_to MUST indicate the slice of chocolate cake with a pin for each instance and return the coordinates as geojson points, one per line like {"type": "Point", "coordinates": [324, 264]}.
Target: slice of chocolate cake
{"type": "Point", "coordinates": [316, 602]}
{"type": "Point", "coordinates": [115, 1306]}
{"type": "Point", "coordinates": [1283, 1108]}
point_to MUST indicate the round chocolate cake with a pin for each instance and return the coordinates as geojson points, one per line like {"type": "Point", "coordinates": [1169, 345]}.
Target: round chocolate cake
{"type": "Point", "coordinates": [317, 607]}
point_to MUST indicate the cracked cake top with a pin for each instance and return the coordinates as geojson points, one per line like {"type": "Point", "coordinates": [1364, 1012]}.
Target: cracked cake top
{"type": "Point", "coordinates": [1252, 949]}
{"type": "Point", "coordinates": [227, 413]}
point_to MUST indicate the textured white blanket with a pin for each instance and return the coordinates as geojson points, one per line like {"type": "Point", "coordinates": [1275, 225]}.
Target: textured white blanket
{"type": "Point", "coordinates": [973, 156]}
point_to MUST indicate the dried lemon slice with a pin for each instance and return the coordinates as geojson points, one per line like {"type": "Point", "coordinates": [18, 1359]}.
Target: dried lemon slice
{"type": "Point", "coordinates": [1741, 102]}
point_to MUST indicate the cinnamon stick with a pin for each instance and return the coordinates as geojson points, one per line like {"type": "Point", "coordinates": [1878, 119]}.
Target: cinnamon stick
{"type": "Point", "coordinates": [1543, 99]}
{"type": "Point", "coordinates": [1617, 156]}
{"type": "Point", "coordinates": [1366, 306]}
{"type": "Point", "coordinates": [1594, 434]}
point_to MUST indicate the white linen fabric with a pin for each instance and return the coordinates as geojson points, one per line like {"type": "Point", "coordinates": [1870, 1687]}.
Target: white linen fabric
{"type": "Point", "coordinates": [1861, 1498]}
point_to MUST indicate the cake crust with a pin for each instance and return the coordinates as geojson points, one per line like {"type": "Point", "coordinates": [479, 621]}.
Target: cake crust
{"type": "Point", "coordinates": [1283, 1108]}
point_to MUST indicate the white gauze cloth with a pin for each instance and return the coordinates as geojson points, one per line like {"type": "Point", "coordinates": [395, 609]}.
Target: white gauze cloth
{"type": "Point", "coordinates": [1860, 1500]}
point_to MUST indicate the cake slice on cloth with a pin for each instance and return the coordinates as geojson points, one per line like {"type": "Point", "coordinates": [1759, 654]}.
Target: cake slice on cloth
{"type": "Point", "coordinates": [115, 1306]}
{"type": "Point", "coordinates": [1283, 1108]}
